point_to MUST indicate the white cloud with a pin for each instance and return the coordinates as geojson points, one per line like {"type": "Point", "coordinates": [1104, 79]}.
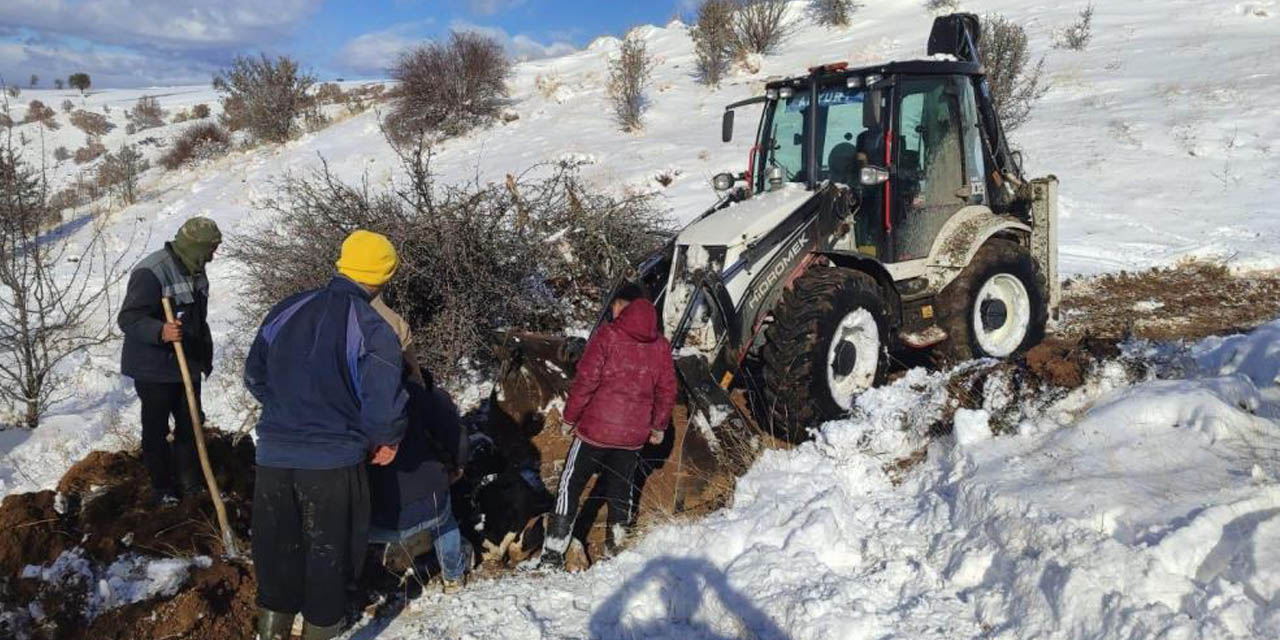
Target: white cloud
{"type": "Point", "coordinates": [375, 52]}
{"type": "Point", "coordinates": [106, 67]}
{"type": "Point", "coordinates": [491, 7]}
{"type": "Point", "coordinates": [521, 46]}
{"type": "Point", "coordinates": [161, 24]}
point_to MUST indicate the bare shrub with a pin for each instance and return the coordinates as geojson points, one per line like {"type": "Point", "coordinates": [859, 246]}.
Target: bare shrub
{"type": "Point", "coordinates": [629, 75]}
{"type": "Point", "coordinates": [181, 116]}
{"type": "Point", "coordinates": [94, 124]}
{"type": "Point", "coordinates": [67, 106]}
{"type": "Point", "coordinates": [533, 252]}
{"type": "Point", "coordinates": [942, 6]}
{"type": "Point", "coordinates": [1077, 36]}
{"type": "Point", "coordinates": [38, 112]}
{"type": "Point", "coordinates": [61, 154]}
{"type": "Point", "coordinates": [91, 150]}
{"type": "Point", "coordinates": [56, 298]}
{"type": "Point", "coordinates": [1015, 86]}
{"type": "Point", "coordinates": [834, 13]}
{"type": "Point", "coordinates": [118, 172]}
{"type": "Point", "coordinates": [13, 91]}
{"type": "Point", "coordinates": [761, 25]}
{"type": "Point", "coordinates": [714, 40]}
{"type": "Point", "coordinates": [200, 111]}
{"type": "Point", "coordinates": [196, 143]}
{"type": "Point", "coordinates": [5, 120]}
{"type": "Point", "coordinates": [264, 96]}
{"type": "Point", "coordinates": [448, 88]}
{"type": "Point", "coordinates": [146, 114]}
{"type": "Point", "coordinates": [329, 93]}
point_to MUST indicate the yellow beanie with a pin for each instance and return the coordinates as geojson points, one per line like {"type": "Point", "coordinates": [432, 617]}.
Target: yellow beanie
{"type": "Point", "coordinates": [368, 258]}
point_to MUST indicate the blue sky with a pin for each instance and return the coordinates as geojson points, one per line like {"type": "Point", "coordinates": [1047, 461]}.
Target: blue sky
{"type": "Point", "coordinates": [129, 43]}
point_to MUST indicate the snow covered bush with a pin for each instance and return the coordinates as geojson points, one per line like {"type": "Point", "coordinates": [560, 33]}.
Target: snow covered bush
{"type": "Point", "coordinates": [267, 97]}
{"type": "Point", "coordinates": [761, 25]}
{"type": "Point", "coordinates": [67, 106]}
{"type": "Point", "coordinates": [200, 111]}
{"type": "Point", "coordinates": [13, 91]}
{"type": "Point", "coordinates": [38, 112]}
{"type": "Point", "coordinates": [1077, 36]}
{"type": "Point", "coordinates": [197, 142]}
{"type": "Point", "coordinates": [835, 13]}
{"type": "Point", "coordinates": [629, 75]}
{"type": "Point", "coordinates": [118, 172]}
{"type": "Point", "coordinates": [329, 93]}
{"type": "Point", "coordinates": [536, 251]}
{"type": "Point", "coordinates": [448, 88]}
{"type": "Point", "coordinates": [714, 43]}
{"type": "Point", "coordinates": [61, 154]}
{"type": "Point", "coordinates": [1015, 84]}
{"type": "Point", "coordinates": [146, 114]}
{"type": "Point", "coordinates": [94, 124]}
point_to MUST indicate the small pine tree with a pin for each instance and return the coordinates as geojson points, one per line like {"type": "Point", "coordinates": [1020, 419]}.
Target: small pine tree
{"type": "Point", "coordinates": [35, 80]}
{"type": "Point", "coordinates": [57, 84]}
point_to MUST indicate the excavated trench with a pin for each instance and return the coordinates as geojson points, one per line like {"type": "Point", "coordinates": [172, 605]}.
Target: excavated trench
{"type": "Point", "coordinates": [62, 550]}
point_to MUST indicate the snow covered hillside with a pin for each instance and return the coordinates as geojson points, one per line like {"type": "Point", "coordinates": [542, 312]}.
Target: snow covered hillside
{"type": "Point", "coordinates": [1120, 511]}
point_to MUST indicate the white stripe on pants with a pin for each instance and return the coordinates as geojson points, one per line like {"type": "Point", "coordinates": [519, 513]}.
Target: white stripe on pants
{"type": "Point", "coordinates": [562, 492]}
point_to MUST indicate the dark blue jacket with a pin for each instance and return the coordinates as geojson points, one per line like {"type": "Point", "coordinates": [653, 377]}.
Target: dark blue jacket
{"type": "Point", "coordinates": [327, 370]}
{"type": "Point", "coordinates": [414, 488]}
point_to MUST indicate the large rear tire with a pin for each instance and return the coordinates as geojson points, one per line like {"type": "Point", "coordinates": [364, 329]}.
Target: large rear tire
{"type": "Point", "coordinates": [996, 307]}
{"type": "Point", "coordinates": [826, 345]}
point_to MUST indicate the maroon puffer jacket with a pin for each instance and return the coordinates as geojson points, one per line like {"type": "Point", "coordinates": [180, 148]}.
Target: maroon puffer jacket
{"type": "Point", "coordinates": [626, 381]}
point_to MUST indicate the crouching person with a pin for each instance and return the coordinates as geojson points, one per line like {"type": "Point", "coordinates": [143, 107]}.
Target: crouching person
{"type": "Point", "coordinates": [621, 398]}
{"type": "Point", "coordinates": [327, 370]}
{"type": "Point", "coordinates": [412, 512]}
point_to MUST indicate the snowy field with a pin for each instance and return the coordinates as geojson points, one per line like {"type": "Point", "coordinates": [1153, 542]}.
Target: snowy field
{"type": "Point", "coordinates": [1122, 511]}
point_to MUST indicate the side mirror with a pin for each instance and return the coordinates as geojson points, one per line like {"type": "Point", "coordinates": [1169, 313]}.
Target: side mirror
{"type": "Point", "coordinates": [723, 181]}
{"type": "Point", "coordinates": [726, 127]}
{"type": "Point", "coordinates": [872, 176]}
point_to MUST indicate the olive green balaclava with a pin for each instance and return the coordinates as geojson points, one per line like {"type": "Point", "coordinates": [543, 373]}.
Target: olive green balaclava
{"type": "Point", "coordinates": [195, 243]}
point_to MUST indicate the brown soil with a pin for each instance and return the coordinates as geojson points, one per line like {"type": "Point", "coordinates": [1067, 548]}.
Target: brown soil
{"type": "Point", "coordinates": [1190, 301]}
{"type": "Point", "coordinates": [104, 507]}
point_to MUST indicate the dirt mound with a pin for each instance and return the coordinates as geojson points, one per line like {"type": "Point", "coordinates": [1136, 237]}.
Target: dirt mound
{"type": "Point", "coordinates": [1185, 302]}
{"type": "Point", "coordinates": [104, 510]}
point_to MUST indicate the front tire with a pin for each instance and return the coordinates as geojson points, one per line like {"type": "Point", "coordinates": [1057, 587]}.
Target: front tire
{"type": "Point", "coordinates": [825, 345]}
{"type": "Point", "coordinates": [996, 307]}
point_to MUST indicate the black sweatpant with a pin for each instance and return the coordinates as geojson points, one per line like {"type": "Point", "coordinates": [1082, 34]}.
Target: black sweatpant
{"type": "Point", "coordinates": [169, 465]}
{"type": "Point", "coordinates": [310, 533]}
{"type": "Point", "coordinates": [617, 469]}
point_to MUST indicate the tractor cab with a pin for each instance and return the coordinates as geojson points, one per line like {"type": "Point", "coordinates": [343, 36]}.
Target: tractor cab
{"type": "Point", "coordinates": [903, 138]}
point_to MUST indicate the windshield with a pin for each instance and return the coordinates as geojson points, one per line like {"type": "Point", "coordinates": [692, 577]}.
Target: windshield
{"type": "Point", "coordinates": [841, 135]}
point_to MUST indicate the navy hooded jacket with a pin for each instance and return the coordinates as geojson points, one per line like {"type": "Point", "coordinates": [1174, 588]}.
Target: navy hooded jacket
{"type": "Point", "coordinates": [414, 488]}
{"type": "Point", "coordinates": [327, 370]}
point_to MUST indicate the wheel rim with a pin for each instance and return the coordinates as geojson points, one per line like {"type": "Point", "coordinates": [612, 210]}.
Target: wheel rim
{"type": "Point", "coordinates": [1001, 315]}
{"type": "Point", "coordinates": [853, 357]}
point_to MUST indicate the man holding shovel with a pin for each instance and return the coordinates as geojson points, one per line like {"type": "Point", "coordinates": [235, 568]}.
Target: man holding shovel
{"type": "Point", "coordinates": [175, 272]}
{"type": "Point", "coordinates": [327, 370]}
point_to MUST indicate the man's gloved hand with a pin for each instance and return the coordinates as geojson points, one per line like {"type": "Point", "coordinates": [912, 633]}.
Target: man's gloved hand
{"type": "Point", "coordinates": [656, 437]}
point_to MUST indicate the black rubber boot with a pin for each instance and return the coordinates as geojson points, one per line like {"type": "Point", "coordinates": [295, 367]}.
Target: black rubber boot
{"type": "Point", "coordinates": [551, 560]}
{"type": "Point", "coordinates": [274, 625]}
{"type": "Point", "coordinates": [312, 632]}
